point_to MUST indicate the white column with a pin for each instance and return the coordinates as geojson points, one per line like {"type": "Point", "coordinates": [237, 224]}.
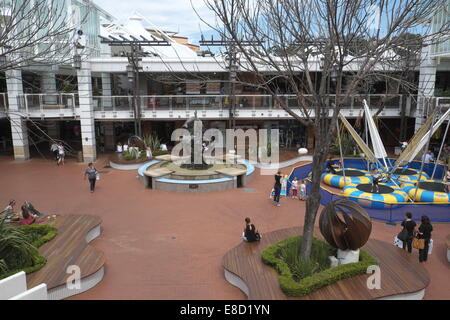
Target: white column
{"type": "Point", "coordinates": [427, 80]}
{"type": "Point", "coordinates": [48, 85]}
{"type": "Point", "coordinates": [87, 122]}
{"type": "Point", "coordinates": [18, 124]}
{"type": "Point", "coordinates": [106, 91]}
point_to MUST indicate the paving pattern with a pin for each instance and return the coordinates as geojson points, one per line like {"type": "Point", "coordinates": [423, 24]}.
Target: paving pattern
{"type": "Point", "coordinates": [162, 245]}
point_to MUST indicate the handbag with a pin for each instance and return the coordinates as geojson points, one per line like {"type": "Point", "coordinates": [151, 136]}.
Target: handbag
{"type": "Point", "coordinates": [418, 243]}
{"type": "Point", "coordinates": [97, 176]}
{"type": "Point", "coordinates": [403, 235]}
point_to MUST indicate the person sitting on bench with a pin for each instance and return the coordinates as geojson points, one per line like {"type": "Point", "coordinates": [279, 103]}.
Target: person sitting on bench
{"type": "Point", "coordinates": [250, 233]}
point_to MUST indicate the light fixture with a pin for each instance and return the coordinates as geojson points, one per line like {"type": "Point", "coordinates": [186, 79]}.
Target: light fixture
{"type": "Point", "coordinates": [77, 61]}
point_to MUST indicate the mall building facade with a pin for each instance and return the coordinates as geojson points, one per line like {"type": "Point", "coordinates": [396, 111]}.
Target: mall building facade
{"type": "Point", "coordinates": [90, 104]}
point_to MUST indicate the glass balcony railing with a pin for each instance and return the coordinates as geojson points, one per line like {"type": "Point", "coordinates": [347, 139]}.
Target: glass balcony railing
{"type": "Point", "coordinates": [49, 103]}
{"type": "Point", "coordinates": [29, 102]}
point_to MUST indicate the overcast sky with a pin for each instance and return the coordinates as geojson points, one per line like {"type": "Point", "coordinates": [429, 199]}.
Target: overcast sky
{"type": "Point", "coordinates": [173, 15]}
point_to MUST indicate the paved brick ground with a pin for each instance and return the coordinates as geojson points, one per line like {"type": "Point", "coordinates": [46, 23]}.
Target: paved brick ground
{"type": "Point", "coordinates": [162, 245]}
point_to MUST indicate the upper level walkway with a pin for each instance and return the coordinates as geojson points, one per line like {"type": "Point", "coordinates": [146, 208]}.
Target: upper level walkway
{"type": "Point", "coordinates": [214, 107]}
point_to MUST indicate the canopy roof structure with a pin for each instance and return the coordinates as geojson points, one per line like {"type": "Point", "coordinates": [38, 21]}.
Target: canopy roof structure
{"type": "Point", "coordinates": [134, 28]}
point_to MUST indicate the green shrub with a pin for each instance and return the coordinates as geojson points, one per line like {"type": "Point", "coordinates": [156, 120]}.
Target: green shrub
{"type": "Point", "coordinates": [272, 256]}
{"type": "Point", "coordinates": [159, 153]}
{"type": "Point", "coordinates": [127, 156]}
{"type": "Point", "coordinates": [152, 141]}
{"type": "Point", "coordinates": [35, 236]}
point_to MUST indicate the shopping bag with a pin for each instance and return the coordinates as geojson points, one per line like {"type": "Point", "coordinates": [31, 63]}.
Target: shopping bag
{"type": "Point", "coordinates": [418, 243]}
{"type": "Point", "coordinates": [398, 242]}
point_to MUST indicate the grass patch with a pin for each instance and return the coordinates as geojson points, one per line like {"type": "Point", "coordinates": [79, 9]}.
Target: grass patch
{"type": "Point", "coordinates": [299, 277]}
{"type": "Point", "coordinates": [36, 235]}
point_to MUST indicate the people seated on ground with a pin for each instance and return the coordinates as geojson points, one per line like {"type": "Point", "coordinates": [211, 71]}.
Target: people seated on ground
{"type": "Point", "coordinates": [163, 147]}
{"type": "Point", "coordinates": [8, 212]}
{"type": "Point", "coordinates": [26, 217]}
{"type": "Point", "coordinates": [330, 166]}
{"type": "Point", "coordinates": [119, 147]}
{"type": "Point", "coordinates": [250, 233]}
{"type": "Point", "coordinates": [32, 210]}
{"type": "Point", "coordinates": [376, 176]}
{"type": "Point", "coordinates": [125, 147]}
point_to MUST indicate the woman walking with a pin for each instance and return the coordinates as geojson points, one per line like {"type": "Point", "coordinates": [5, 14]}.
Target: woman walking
{"type": "Point", "coordinates": [425, 230]}
{"type": "Point", "coordinates": [409, 225]}
{"type": "Point", "coordinates": [91, 174]}
{"type": "Point", "coordinates": [277, 188]}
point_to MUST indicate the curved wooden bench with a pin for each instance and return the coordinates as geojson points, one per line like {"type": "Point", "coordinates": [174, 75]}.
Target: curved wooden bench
{"type": "Point", "coordinates": [70, 247]}
{"type": "Point", "coordinates": [403, 277]}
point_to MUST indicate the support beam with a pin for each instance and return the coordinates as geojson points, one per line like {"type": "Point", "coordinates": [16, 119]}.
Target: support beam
{"type": "Point", "coordinates": [106, 92]}
{"type": "Point", "coordinates": [19, 129]}
{"type": "Point", "coordinates": [48, 85]}
{"type": "Point", "coordinates": [427, 80]}
{"type": "Point", "coordinates": [87, 122]}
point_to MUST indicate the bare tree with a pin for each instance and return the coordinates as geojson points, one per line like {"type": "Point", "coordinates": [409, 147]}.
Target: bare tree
{"type": "Point", "coordinates": [336, 45]}
{"type": "Point", "coordinates": [36, 33]}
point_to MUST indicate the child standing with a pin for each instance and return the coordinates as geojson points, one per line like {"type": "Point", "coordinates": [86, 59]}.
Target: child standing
{"type": "Point", "coordinates": [302, 190]}
{"type": "Point", "coordinates": [284, 182]}
{"type": "Point", "coordinates": [294, 188]}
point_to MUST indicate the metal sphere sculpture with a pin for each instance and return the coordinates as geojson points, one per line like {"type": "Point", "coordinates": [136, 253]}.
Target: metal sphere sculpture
{"type": "Point", "coordinates": [348, 234]}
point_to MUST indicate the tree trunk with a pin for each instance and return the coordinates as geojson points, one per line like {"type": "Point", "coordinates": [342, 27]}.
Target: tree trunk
{"type": "Point", "coordinates": [313, 202]}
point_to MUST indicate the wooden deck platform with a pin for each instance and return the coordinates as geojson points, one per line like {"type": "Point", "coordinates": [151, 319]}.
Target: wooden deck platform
{"type": "Point", "coordinates": [402, 276]}
{"type": "Point", "coordinates": [70, 247]}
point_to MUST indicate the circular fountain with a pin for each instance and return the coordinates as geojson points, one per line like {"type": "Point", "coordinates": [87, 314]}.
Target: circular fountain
{"type": "Point", "coordinates": [196, 172]}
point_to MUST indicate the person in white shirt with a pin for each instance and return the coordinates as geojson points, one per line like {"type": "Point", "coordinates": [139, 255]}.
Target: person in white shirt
{"type": "Point", "coordinates": [61, 154]}
{"type": "Point", "coordinates": [125, 147]}
{"type": "Point", "coordinates": [294, 188]}
{"type": "Point", "coordinates": [404, 145]}
{"type": "Point", "coordinates": [119, 147]}
{"type": "Point", "coordinates": [163, 147]}
{"type": "Point", "coordinates": [54, 149]}
{"type": "Point", "coordinates": [428, 157]}
{"type": "Point", "coordinates": [149, 152]}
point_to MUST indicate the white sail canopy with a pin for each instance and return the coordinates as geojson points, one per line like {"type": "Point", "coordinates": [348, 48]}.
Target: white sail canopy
{"type": "Point", "coordinates": [377, 144]}
{"type": "Point", "coordinates": [426, 137]}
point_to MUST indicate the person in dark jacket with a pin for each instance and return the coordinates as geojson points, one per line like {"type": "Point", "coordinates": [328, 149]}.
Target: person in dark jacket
{"type": "Point", "coordinates": [409, 225]}
{"type": "Point", "coordinates": [250, 232]}
{"type": "Point", "coordinates": [91, 172]}
{"type": "Point", "coordinates": [425, 230]}
{"type": "Point", "coordinates": [277, 188]}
